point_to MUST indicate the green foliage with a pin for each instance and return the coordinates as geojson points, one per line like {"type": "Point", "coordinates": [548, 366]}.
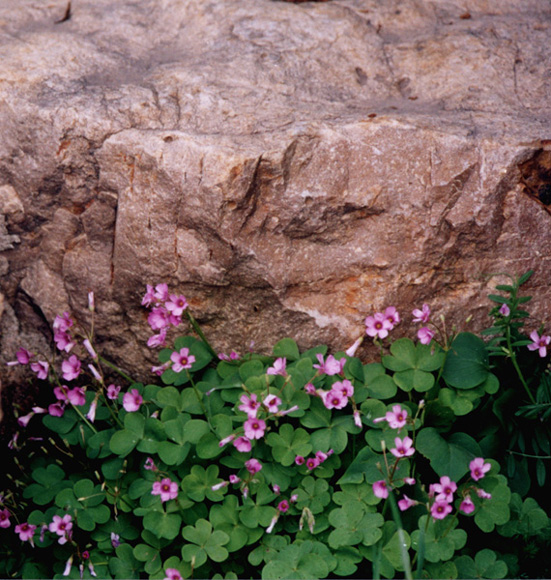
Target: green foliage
{"type": "Point", "coordinates": [172, 485]}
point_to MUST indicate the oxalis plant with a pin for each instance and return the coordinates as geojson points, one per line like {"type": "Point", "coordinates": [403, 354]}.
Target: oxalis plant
{"type": "Point", "coordinates": [294, 465]}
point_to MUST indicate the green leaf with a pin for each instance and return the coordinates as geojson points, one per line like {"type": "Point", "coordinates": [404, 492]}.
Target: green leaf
{"type": "Point", "coordinates": [209, 541]}
{"type": "Point", "coordinates": [447, 457]}
{"type": "Point", "coordinates": [289, 443]}
{"type": "Point", "coordinates": [286, 348]}
{"type": "Point", "coordinates": [441, 538]}
{"type": "Point", "coordinates": [163, 525]}
{"type": "Point", "coordinates": [484, 565]}
{"type": "Point", "coordinates": [466, 365]}
{"type": "Point", "coordinates": [418, 380]}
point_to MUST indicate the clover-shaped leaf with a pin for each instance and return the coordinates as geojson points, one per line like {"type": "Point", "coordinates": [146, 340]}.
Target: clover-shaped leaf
{"type": "Point", "coordinates": [494, 511]}
{"type": "Point", "coordinates": [467, 362]}
{"type": "Point", "coordinates": [296, 561]}
{"type": "Point", "coordinates": [123, 441]}
{"type": "Point", "coordinates": [450, 456]}
{"type": "Point", "coordinates": [204, 543]}
{"type": "Point", "coordinates": [354, 526]}
{"type": "Point", "coordinates": [225, 517]}
{"type": "Point", "coordinates": [50, 481]}
{"type": "Point", "coordinates": [163, 525]}
{"type": "Point", "coordinates": [289, 443]}
{"type": "Point", "coordinates": [441, 538]}
{"type": "Point", "coordinates": [198, 484]}
{"type": "Point", "coordinates": [313, 494]}
{"type": "Point", "coordinates": [484, 565]}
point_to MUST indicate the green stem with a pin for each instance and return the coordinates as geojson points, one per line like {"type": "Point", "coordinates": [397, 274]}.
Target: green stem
{"type": "Point", "coordinates": [401, 537]}
{"type": "Point", "coordinates": [198, 330]}
{"type": "Point", "coordinates": [515, 364]}
{"type": "Point", "coordinates": [79, 412]}
{"type": "Point", "coordinates": [116, 369]}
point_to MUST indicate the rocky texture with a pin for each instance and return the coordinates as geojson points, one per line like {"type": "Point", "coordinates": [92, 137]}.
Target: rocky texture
{"type": "Point", "coordinates": [289, 167]}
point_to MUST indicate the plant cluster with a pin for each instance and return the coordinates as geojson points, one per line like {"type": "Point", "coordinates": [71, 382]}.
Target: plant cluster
{"type": "Point", "coordinates": [307, 465]}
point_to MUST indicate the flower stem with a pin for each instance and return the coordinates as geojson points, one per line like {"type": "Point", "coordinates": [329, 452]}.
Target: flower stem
{"type": "Point", "coordinates": [401, 537]}
{"type": "Point", "coordinates": [116, 369]}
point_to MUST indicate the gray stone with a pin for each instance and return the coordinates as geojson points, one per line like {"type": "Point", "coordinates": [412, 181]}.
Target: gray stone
{"type": "Point", "coordinates": [289, 167]}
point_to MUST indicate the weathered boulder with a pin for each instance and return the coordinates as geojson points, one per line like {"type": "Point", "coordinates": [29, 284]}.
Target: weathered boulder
{"type": "Point", "coordinates": [289, 167]}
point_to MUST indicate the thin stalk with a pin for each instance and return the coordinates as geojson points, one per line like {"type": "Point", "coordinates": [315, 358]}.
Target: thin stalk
{"type": "Point", "coordinates": [116, 369]}
{"type": "Point", "coordinates": [517, 368]}
{"type": "Point", "coordinates": [401, 537]}
{"type": "Point", "coordinates": [198, 330]}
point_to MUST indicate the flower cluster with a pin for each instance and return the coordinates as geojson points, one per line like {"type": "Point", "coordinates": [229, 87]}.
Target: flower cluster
{"type": "Point", "coordinates": [166, 310]}
{"type": "Point", "coordinates": [315, 461]}
{"type": "Point", "coordinates": [381, 323]}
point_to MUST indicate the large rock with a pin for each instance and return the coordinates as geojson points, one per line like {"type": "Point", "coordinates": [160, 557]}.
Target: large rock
{"type": "Point", "coordinates": [290, 168]}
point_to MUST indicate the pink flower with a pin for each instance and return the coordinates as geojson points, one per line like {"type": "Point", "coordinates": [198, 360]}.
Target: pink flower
{"type": "Point", "coordinates": [334, 400]}
{"type": "Point", "coordinates": [113, 392]}
{"type": "Point", "coordinates": [422, 315]}
{"type": "Point", "coordinates": [479, 468]}
{"type": "Point", "coordinates": [276, 488]}
{"type": "Point", "coordinates": [234, 479]}
{"type": "Point", "coordinates": [76, 396]}
{"type": "Point", "coordinates": [23, 357]}
{"type": "Point", "coordinates": [377, 325]}
{"type": "Point", "coordinates": [294, 498]}
{"type": "Point", "coordinates": [380, 489]}
{"type": "Point", "coordinates": [321, 456]}
{"type": "Point", "coordinates": [159, 370]}
{"type": "Point", "coordinates": [504, 311]}
{"type": "Point", "coordinates": [404, 447]}
{"type": "Point", "coordinates": [254, 428]}
{"type": "Point", "coordinates": [176, 304]}
{"type": "Point", "coordinates": [278, 368]}
{"type": "Point", "coordinates": [467, 505]}
{"type": "Point", "coordinates": [149, 296]}
{"type": "Point", "coordinates": [88, 345]}
{"type": "Point", "coordinates": [391, 314]}
{"type": "Point", "coordinates": [540, 343]}
{"type": "Point", "coordinates": [271, 402]}
{"type": "Point", "coordinates": [249, 405]}
{"type": "Point", "coordinates": [61, 393]}
{"type": "Point", "coordinates": [56, 409]}
{"type": "Point", "coordinates": [425, 335]}
{"type": "Point", "coordinates": [483, 494]}
{"type": "Point", "coordinates": [242, 444]}
{"type": "Point", "coordinates": [132, 401]}
{"type": "Point", "coordinates": [41, 369]}
{"type": "Point", "coordinates": [405, 503]}
{"type": "Point", "coordinates": [310, 389]}
{"type": "Point", "coordinates": [345, 387]}
{"type": "Point", "coordinates": [172, 574]}
{"type": "Point", "coordinates": [161, 292]}
{"type": "Point", "coordinates": [157, 339]}
{"type": "Point", "coordinates": [4, 518]}
{"type": "Point", "coordinates": [150, 465]}
{"type": "Point", "coordinates": [220, 485]}
{"type": "Point", "coordinates": [166, 488]}
{"type": "Point", "coordinates": [70, 368]}
{"type": "Point", "coordinates": [440, 509]}
{"type": "Point", "coordinates": [312, 463]}
{"type": "Point", "coordinates": [445, 489]}
{"type": "Point", "coordinates": [68, 566]}
{"type": "Point", "coordinates": [271, 527]}
{"type": "Point", "coordinates": [226, 440]}
{"type": "Point", "coordinates": [283, 506]}
{"type": "Point", "coordinates": [63, 322]}
{"type": "Point", "coordinates": [62, 526]}
{"type": "Point", "coordinates": [24, 420]}
{"type": "Point", "coordinates": [409, 480]}
{"type": "Point", "coordinates": [181, 360]}
{"type": "Point", "coordinates": [396, 418]}
{"type": "Point", "coordinates": [331, 366]}
{"type": "Point", "coordinates": [287, 411]}
{"type": "Point", "coordinates": [253, 466]}
{"type": "Point", "coordinates": [299, 460]}
{"type": "Point", "coordinates": [91, 415]}
{"type": "Point", "coordinates": [158, 318]}
{"type": "Point", "coordinates": [351, 351]}
{"type": "Point", "coordinates": [25, 531]}
{"type": "Point", "coordinates": [357, 419]}
{"type": "Point", "coordinates": [63, 341]}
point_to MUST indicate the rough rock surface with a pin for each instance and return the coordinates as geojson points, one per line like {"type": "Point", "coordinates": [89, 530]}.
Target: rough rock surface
{"type": "Point", "coordinates": [289, 167]}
